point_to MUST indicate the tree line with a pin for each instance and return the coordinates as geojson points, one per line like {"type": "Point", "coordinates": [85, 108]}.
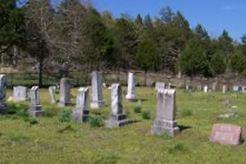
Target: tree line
{"type": "Point", "coordinates": [74, 35]}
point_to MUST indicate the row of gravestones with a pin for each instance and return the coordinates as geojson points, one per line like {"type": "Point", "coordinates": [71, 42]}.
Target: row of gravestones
{"type": "Point", "coordinates": [165, 110]}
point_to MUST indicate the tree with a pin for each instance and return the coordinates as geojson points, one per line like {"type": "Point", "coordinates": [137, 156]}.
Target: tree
{"type": "Point", "coordinates": [193, 61]}
{"type": "Point", "coordinates": [201, 32]}
{"type": "Point", "coordinates": [166, 14]}
{"type": "Point", "coordinates": [12, 29]}
{"type": "Point", "coordinates": [218, 63]}
{"type": "Point", "coordinates": [238, 62]}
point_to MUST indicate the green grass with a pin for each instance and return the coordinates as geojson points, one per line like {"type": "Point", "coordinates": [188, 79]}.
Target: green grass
{"type": "Point", "coordinates": [52, 141]}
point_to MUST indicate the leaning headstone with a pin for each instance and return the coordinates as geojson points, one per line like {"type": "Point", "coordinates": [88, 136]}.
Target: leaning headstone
{"type": "Point", "coordinates": [65, 97]}
{"type": "Point", "coordinates": [3, 84]}
{"type": "Point", "coordinates": [159, 85]}
{"type": "Point", "coordinates": [35, 106]}
{"type": "Point", "coordinates": [117, 117]}
{"type": "Point", "coordinates": [131, 87]}
{"type": "Point", "coordinates": [52, 92]}
{"type": "Point", "coordinates": [20, 93]}
{"type": "Point", "coordinates": [96, 89]}
{"type": "Point", "coordinates": [165, 114]}
{"type": "Point", "coordinates": [224, 89]}
{"type": "Point", "coordinates": [226, 134]}
{"type": "Point", "coordinates": [81, 111]}
{"type": "Point", "coordinates": [205, 89]}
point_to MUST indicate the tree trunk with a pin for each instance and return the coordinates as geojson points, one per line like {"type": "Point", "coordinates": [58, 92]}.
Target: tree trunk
{"type": "Point", "coordinates": [40, 73]}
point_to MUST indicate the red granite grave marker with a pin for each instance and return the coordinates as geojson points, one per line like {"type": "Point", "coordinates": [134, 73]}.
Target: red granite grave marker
{"type": "Point", "coordinates": [226, 134]}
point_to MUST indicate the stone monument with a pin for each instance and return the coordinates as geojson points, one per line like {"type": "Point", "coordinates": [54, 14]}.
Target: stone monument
{"type": "Point", "coordinates": [96, 90]}
{"type": "Point", "coordinates": [65, 97]}
{"type": "Point", "coordinates": [165, 114]}
{"type": "Point", "coordinates": [159, 85]}
{"type": "Point", "coordinates": [20, 93]}
{"type": "Point", "coordinates": [131, 87]}
{"type": "Point", "coordinates": [3, 85]}
{"type": "Point", "coordinates": [52, 92]}
{"type": "Point", "coordinates": [35, 109]}
{"type": "Point", "coordinates": [117, 117]}
{"type": "Point", "coordinates": [81, 111]}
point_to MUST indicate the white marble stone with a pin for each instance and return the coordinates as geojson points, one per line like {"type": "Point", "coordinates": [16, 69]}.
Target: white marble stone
{"type": "Point", "coordinates": [35, 106]}
{"type": "Point", "coordinates": [205, 89]}
{"type": "Point", "coordinates": [117, 117]}
{"type": "Point", "coordinates": [131, 95]}
{"type": "Point", "coordinates": [159, 85]}
{"type": "Point", "coordinates": [96, 91]}
{"type": "Point", "coordinates": [19, 93]}
{"type": "Point", "coordinates": [224, 89]}
{"type": "Point", "coordinates": [165, 113]}
{"type": "Point", "coordinates": [52, 92]}
{"type": "Point", "coordinates": [81, 111]}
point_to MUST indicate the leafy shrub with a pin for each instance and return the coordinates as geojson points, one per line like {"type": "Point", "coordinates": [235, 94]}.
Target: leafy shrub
{"type": "Point", "coordinates": [19, 109]}
{"type": "Point", "coordinates": [95, 121]}
{"type": "Point", "coordinates": [64, 115]}
{"type": "Point", "coordinates": [137, 109]}
{"type": "Point", "coordinates": [146, 115]}
{"type": "Point", "coordinates": [31, 120]}
{"type": "Point", "coordinates": [186, 113]}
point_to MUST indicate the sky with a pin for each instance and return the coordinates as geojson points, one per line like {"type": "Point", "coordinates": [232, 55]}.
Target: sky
{"type": "Point", "coordinates": [214, 15]}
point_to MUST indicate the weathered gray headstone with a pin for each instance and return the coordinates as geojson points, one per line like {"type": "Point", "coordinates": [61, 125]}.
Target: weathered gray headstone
{"type": "Point", "coordinates": [20, 93]}
{"type": "Point", "coordinates": [226, 134]}
{"type": "Point", "coordinates": [224, 89]}
{"type": "Point", "coordinates": [199, 87]}
{"type": "Point", "coordinates": [159, 85]}
{"type": "Point", "coordinates": [35, 106]}
{"type": "Point", "coordinates": [96, 90]}
{"type": "Point", "coordinates": [81, 111]}
{"type": "Point", "coordinates": [214, 86]}
{"type": "Point", "coordinates": [117, 117]}
{"type": "Point", "coordinates": [65, 97]}
{"type": "Point", "coordinates": [131, 87]}
{"type": "Point", "coordinates": [3, 84]}
{"type": "Point", "coordinates": [165, 115]}
{"type": "Point", "coordinates": [52, 92]}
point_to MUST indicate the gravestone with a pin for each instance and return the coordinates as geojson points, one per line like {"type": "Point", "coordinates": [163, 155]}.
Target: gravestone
{"type": "Point", "coordinates": [226, 134]}
{"type": "Point", "coordinates": [131, 87]}
{"type": "Point", "coordinates": [117, 117]}
{"type": "Point", "coordinates": [199, 87]}
{"type": "Point", "coordinates": [35, 109]}
{"type": "Point", "coordinates": [3, 84]}
{"type": "Point", "coordinates": [224, 89]}
{"type": "Point", "coordinates": [81, 111]}
{"type": "Point", "coordinates": [52, 92]}
{"type": "Point", "coordinates": [20, 93]}
{"type": "Point", "coordinates": [205, 89]}
{"type": "Point", "coordinates": [165, 114]}
{"type": "Point", "coordinates": [244, 89]}
{"type": "Point", "coordinates": [159, 85]}
{"type": "Point", "coordinates": [65, 97]}
{"type": "Point", "coordinates": [214, 87]}
{"type": "Point", "coordinates": [96, 89]}
{"type": "Point", "coordinates": [235, 88]}
{"type": "Point", "coordinates": [188, 88]}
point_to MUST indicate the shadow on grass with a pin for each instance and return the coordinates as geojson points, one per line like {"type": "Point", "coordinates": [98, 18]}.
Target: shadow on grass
{"type": "Point", "coordinates": [183, 127]}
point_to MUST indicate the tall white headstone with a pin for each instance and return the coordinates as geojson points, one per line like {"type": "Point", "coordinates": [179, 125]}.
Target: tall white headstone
{"type": "Point", "coordinates": [81, 111]}
{"type": "Point", "coordinates": [117, 117]}
{"type": "Point", "coordinates": [35, 106]}
{"type": "Point", "coordinates": [65, 97]}
{"type": "Point", "coordinates": [131, 95]}
{"type": "Point", "coordinates": [224, 88]}
{"type": "Point", "coordinates": [165, 113]}
{"type": "Point", "coordinates": [205, 89]}
{"type": "Point", "coordinates": [3, 85]}
{"type": "Point", "coordinates": [52, 92]}
{"type": "Point", "coordinates": [96, 89]}
{"type": "Point", "coordinates": [20, 93]}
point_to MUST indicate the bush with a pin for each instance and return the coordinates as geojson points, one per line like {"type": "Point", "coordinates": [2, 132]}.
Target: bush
{"type": "Point", "coordinates": [64, 115]}
{"type": "Point", "coordinates": [137, 109]}
{"type": "Point", "coordinates": [18, 109]}
{"type": "Point", "coordinates": [96, 121]}
{"type": "Point", "coordinates": [146, 115]}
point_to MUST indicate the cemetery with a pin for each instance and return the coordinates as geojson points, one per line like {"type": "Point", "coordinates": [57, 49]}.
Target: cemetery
{"type": "Point", "coordinates": [122, 82]}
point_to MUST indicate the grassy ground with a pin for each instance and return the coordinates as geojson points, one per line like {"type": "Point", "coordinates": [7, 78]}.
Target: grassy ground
{"type": "Point", "coordinates": [50, 141]}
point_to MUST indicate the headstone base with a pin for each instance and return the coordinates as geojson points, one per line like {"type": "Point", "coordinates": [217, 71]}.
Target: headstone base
{"type": "Point", "coordinates": [36, 111]}
{"type": "Point", "coordinates": [80, 116]}
{"type": "Point", "coordinates": [131, 97]}
{"type": "Point", "coordinates": [97, 104]}
{"type": "Point", "coordinates": [165, 127]}
{"type": "Point", "coordinates": [116, 121]}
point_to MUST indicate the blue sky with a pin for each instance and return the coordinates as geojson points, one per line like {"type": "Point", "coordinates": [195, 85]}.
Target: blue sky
{"type": "Point", "coordinates": [214, 15]}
